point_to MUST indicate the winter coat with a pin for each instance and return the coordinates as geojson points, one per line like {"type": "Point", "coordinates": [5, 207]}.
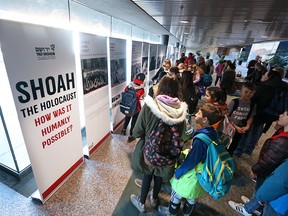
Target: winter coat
{"type": "Point", "coordinates": [228, 78]}
{"type": "Point", "coordinates": [272, 154]}
{"type": "Point", "coordinates": [149, 117]}
{"type": "Point", "coordinates": [274, 190]}
{"type": "Point", "coordinates": [263, 97]}
{"type": "Point", "coordinates": [219, 68]}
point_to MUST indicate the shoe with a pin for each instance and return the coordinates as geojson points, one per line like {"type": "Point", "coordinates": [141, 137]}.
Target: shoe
{"type": "Point", "coordinates": [163, 210]}
{"type": "Point", "coordinates": [123, 132]}
{"type": "Point", "coordinates": [246, 200]}
{"type": "Point", "coordinates": [130, 139]}
{"type": "Point", "coordinates": [239, 208]}
{"type": "Point", "coordinates": [188, 209]}
{"type": "Point", "coordinates": [136, 202]}
{"type": "Point", "coordinates": [154, 202]}
{"type": "Point", "coordinates": [138, 182]}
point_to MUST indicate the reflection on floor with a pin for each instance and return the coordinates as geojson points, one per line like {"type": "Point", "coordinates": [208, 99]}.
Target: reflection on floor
{"type": "Point", "coordinates": [103, 184]}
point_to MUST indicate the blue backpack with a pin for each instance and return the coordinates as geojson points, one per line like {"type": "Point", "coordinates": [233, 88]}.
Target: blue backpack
{"type": "Point", "coordinates": [207, 80]}
{"type": "Point", "coordinates": [218, 169]}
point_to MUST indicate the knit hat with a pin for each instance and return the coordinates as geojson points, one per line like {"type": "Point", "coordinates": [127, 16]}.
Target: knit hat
{"type": "Point", "coordinates": [139, 79]}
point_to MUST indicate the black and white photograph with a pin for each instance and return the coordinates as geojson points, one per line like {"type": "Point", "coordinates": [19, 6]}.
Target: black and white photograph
{"type": "Point", "coordinates": [118, 71]}
{"type": "Point", "coordinates": [94, 74]}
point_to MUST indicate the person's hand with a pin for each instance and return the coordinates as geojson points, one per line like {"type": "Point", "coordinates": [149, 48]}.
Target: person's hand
{"type": "Point", "coordinates": [239, 129]}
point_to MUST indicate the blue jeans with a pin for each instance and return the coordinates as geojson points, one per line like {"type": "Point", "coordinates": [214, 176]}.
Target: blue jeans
{"type": "Point", "coordinates": [249, 140]}
{"type": "Point", "coordinates": [268, 211]}
{"type": "Point", "coordinates": [252, 205]}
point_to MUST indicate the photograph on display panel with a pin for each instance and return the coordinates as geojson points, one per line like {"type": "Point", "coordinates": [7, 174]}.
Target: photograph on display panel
{"type": "Point", "coordinates": [118, 71]}
{"type": "Point", "coordinates": [94, 74]}
{"type": "Point", "coordinates": [145, 65]}
{"type": "Point", "coordinates": [152, 65]}
{"type": "Point", "coordinates": [135, 69]}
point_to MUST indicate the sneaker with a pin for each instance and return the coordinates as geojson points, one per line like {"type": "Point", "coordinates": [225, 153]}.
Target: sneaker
{"type": "Point", "coordinates": [130, 139]}
{"type": "Point", "coordinates": [136, 202]}
{"type": "Point", "coordinates": [246, 200]}
{"type": "Point", "coordinates": [154, 202]}
{"type": "Point", "coordinates": [239, 208]}
{"type": "Point", "coordinates": [188, 209]}
{"type": "Point", "coordinates": [138, 182]}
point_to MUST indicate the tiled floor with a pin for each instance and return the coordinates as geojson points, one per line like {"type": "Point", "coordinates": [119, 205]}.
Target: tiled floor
{"type": "Point", "coordinates": [98, 184]}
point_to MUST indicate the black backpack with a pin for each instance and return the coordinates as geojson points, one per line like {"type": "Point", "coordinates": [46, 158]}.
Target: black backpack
{"type": "Point", "coordinates": [128, 104]}
{"type": "Point", "coordinates": [162, 147]}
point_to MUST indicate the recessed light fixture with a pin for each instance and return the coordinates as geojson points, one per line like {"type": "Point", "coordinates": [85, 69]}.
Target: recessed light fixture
{"type": "Point", "coordinates": [185, 21]}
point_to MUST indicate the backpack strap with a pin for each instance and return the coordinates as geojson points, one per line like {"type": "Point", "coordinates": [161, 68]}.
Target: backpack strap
{"type": "Point", "coordinates": [235, 105]}
{"type": "Point", "coordinates": [206, 139]}
{"type": "Point", "coordinates": [252, 105]}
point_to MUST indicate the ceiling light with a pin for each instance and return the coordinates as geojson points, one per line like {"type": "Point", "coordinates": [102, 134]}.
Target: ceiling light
{"type": "Point", "coordinates": [185, 21]}
{"type": "Point", "coordinates": [186, 33]}
{"type": "Point", "coordinates": [264, 36]}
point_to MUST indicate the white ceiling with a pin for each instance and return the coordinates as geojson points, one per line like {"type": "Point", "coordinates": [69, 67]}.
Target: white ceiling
{"type": "Point", "coordinates": [212, 23]}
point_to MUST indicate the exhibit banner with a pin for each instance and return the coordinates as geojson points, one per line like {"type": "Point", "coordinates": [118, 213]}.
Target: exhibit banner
{"type": "Point", "coordinates": [161, 55]}
{"type": "Point", "coordinates": [136, 64]}
{"type": "Point", "coordinates": [152, 61]}
{"type": "Point", "coordinates": [93, 55]}
{"type": "Point", "coordinates": [117, 77]}
{"type": "Point", "coordinates": [145, 53]}
{"type": "Point", "coordinates": [40, 65]}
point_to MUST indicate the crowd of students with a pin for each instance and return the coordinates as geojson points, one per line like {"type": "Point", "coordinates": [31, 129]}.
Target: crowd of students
{"type": "Point", "coordinates": [175, 94]}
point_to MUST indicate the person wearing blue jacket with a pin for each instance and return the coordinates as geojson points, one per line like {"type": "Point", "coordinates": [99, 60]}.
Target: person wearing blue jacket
{"type": "Point", "coordinates": [274, 192]}
{"type": "Point", "coordinates": [207, 115]}
{"type": "Point", "coordinates": [272, 195]}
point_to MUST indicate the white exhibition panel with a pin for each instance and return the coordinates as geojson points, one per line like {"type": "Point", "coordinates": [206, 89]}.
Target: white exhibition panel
{"type": "Point", "coordinates": [136, 65]}
{"type": "Point", "coordinates": [118, 77]}
{"type": "Point", "coordinates": [161, 55]}
{"type": "Point", "coordinates": [145, 60]}
{"type": "Point", "coordinates": [40, 64]}
{"type": "Point", "coordinates": [94, 67]}
{"type": "Point", "coordinates": [152, 62]}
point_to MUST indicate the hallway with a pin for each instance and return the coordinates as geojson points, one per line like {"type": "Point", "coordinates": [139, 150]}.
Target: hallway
{"type": "Point", "coordinates": [103, 184]}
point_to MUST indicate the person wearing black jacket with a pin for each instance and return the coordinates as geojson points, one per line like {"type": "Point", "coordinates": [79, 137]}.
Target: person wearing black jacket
{"type": "Point", "coordinates": [270, 81]}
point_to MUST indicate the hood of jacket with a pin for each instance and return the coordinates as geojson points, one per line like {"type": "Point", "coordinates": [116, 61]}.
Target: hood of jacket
{"type": "Point", "coordinates": [273, 82]}
{"type": "Point", "coordinates": [209, 131]}
{"type": "Point", "coordinates": [135, 86]}
{"type": "Point", "coordinates": [168, 113]}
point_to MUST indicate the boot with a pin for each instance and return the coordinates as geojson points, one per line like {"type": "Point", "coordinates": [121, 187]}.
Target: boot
{"type": "Point", "coordinates": [123, 132]}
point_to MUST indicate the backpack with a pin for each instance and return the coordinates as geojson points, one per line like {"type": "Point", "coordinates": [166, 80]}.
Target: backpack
{"type": "Point", "coordinates": [162, 147]}
{"type": "Point", "coordinates": [128, 103]}
{"type": "Point", "coordinates": [278, 103]}
{"type": "Point", "coordinates": [218, 169]}
{"type": "Point", "coordinates": [207, 80]}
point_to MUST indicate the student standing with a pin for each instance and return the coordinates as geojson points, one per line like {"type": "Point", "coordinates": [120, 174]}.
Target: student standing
{"type": "Point", "coordinates": [137, 85]}
{"type": "Point", "coordinates": [207, 115]}
{"type": "Point", "coordinates": [240, 112]}
{"type": "Point", "coordinates": [165, 107]}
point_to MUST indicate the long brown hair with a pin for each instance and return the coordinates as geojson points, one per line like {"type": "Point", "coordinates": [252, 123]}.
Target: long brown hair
{"type": "Point", "coordinates": [169, 86]}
